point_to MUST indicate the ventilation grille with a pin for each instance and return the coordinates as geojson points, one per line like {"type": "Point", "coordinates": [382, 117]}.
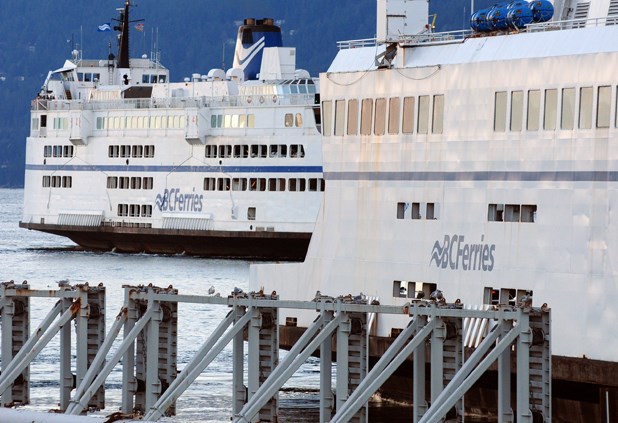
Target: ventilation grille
{"type": "Point", "coordinates": [193, 223]}
{"type": "Point", "coordinates": [80, 219]}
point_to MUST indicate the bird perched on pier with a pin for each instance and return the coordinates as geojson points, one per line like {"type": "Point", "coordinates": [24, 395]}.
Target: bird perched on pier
{"type": "Point", "coordinates": [211, 290]}
{"type": "Point", "coordinates": [237, 291]}
{"type": "Point", "coordinates": [525, 300]}
{"type": "Point", "coordinates": [420, 295]}
{"type": "Point", "coordinates": [63, 283]}
{"type": "Point", "coordinates": [436, 296]}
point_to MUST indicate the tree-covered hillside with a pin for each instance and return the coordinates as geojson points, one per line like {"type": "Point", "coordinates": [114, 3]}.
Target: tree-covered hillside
{"type": "Point", "coordinates": [193, 37]}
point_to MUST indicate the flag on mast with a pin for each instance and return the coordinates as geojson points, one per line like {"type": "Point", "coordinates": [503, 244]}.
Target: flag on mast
{"type": "Point", "coordinates": [105, 27]}
{"type": "Point", "coordinates": [140, 27]}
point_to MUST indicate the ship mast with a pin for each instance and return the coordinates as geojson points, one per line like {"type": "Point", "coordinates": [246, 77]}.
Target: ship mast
{"type": "Point", "coordinates": [123, 41]}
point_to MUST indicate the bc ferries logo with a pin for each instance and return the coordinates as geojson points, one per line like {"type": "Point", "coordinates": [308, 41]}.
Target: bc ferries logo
{"type": "Point", "coordinates": [455, 254]}
{"type": "Point", "coordinates": [174, 200]}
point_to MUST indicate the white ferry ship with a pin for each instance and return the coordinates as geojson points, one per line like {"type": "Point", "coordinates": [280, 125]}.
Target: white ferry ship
{"type": "Point", "coordinates": [483, 164]}
{"type": "Point", "coordinates": [226, 164]}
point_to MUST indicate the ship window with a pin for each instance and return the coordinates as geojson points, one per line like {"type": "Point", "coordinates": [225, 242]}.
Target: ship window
{"type": "Point", "coordinates": [289, 120]}
{"type": "Point", "coordinates": [239, 184]}
{"type": "Point", "coordinates": [603, 106]}
{"type": "Point", "coordinates": [223, 184]}
{"type": "Point", "coordinates": [227, 121]}
{"type": "Point", "coordinates": [100, 123]}
{"type": "Point", "coordinates": [495, 213]}
{"type": "Point", "coordinates": [517, 107]}
{"type": "Point", "coordinates": [402, 208]}
{"type": "Point", "coordinates": [43, 121]}
{"type": "Point", "coordinates": [242, 121]}
{"type": "Point", "coordinates": [46, 181]}
{"type": "Point", "coordinates": [511, 212]}
{"type": "Point", "coordinates": [380, 119]}
{"type": "Point", "coordinates": [251, 121]}
{"type": "Point", "coordinates": [211, 151]}
{"type": "Point", "coordinates": [67, 181]}
{"type": "Point", "coordinates": [123, 182]}
{"type": "Point", "coordinates": [146, 210]}
{"type": "Point", "coordinates": [257, 184]}
{"type": "Point", "coordinates": [400, 289]}
{"type": "Point", "coordinates": [209, 184]}
{"type": "Point", "coordinates": [276, 184]}
{"type": "Point", "coordinates": [112, 182]}
{"type": "Point", "coordinates": [147, 182]}
{"type": "Point", "coordinates": [225, 151]}
{"type": "Point", "coordinates": [35, 124]}
{"type": "Point", "coordinates": [408, 115]}
{"type": "Point", "coordinates": [297, 184]}
{"type": "Point", "coordinates": [138, 151]}
{"type": "Point", "coordinates": [393, 115]}
{"type": "Point", "coordinates": [549, 116]}
{"type": "Point", "coordinates": [297, 150]}
{"type": "Point", "coordinates": [149, 151]}
{"type": "Point", "coordinates": [298, 121]}
{"type": "Point", "coordinates": [213, 121]}
{"type": "Point", "coordinates": [430, 213]}
{"type": "Point", "coordinates": [567, 115]}
{"type": "Point", "coordinates": [353, 117]}
{"type": "Point", "coordinates": [219, 121]}
{"type": "Point", "coordinates": [534, 101]}
{"type": "Point", "coordinates": [585, 108]}
{"type": "Point", "coordinates": [251, 213]}
{"type": "Point", "coordinates": [136, 183]}
{"type": "Point", "coordinates": [113, 151]}
{"type": "Point", "coordinates": [241, 151]}
{"type": "Point", "coordinates": [145, 79]}
{"type": "Point", "coordinates": [327, 116]}
{"type": "Point", "coordinates": [366, 115]}
{"type": "Point", "coordinates": [123, 209]}
{"type": "Point", "coordinates": [416, 211]}
{"type": "Point", "coordinates": [70, 151]}
{"type": "Point", "coordinates": [423, 114]}
{"type": "Point", "coordinates": [339, 117]}
{"type": "Point", "coordinates": [125, 151]}
{"type": "Point", "coordinates": [134, 210]}
{"type": "Point", "coordinates": [528, 213]}
{"type": "Point", "coordinates": [500, 112]}
{"type": "Point", "coordinates": [47, 151]}
{"type": "Point", "coordinates": [313, 184]}
{"type": "Point", "coordinates": [56, 182]}
{"type": "Point", "coordinates": [438, 114]}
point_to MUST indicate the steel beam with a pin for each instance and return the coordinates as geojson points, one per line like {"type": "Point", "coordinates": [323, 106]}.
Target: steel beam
{"type": "Point", "coordinates": [326, 374]}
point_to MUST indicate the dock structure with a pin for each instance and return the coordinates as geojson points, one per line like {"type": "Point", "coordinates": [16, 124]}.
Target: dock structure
{"type": "Point", "coordinates": [437, 334]}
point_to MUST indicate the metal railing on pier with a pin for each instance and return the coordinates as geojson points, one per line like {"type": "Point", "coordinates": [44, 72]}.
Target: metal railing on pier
{"type": "Point", "coordinates": [433, 337]}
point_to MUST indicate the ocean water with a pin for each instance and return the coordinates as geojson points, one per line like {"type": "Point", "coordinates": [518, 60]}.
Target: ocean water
{"type": "Point", "coordinates": [43, 260]}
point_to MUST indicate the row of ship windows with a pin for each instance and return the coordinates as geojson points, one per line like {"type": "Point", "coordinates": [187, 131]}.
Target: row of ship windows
{"type": "Point", "coordinates": [135, 151]}
{"type": "Point", "coordinates": [141, 122]}
{"type": "Point", "coordinates": [494, 296]}
{"type": "Point", "coordinates": [135, 210]}
{"type": "Point", "coordinates": [382, 115]}
{"type": "Point", "coordinates": [413, 211]}
{"type": "Point", "coordinates": [57, 181]}
{"type": "Point", "coordinates": [264, 184]}
{"type": "Point", "coordinates": [124, 182]}
{"type": "Point", "coordinates": [153, 78]}
{"type": "Point", "coordinates": [524, 213]}
{"type": "Point", "coordinates": [58, 151]}
{"type": "Point", "coordinates": [232, 121]}
{"type": "Point", "coordinates": [576, 109]}
{"type": "Point", "coordinates": [254, 150]}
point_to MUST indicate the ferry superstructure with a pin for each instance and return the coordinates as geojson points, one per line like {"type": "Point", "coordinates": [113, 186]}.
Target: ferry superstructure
{"type": "Point", "coordinates": [227, 164]}
{"type": "Point", "coordinates": [481, 165]}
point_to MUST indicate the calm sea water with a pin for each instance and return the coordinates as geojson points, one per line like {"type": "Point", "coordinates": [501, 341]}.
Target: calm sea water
{"type": "Point", "coordinates": [43, 259]}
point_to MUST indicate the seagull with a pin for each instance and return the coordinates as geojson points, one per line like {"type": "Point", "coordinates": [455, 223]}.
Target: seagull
{"type": "Point", "coordinates": [526, 300]}
{"type": "Point", "coordinates": [63, 282]}
{"type": "Point", "coordinates": [436, 295]}
{"type": "Point", "coordinates": [211, 290]}
{"type": "Point", "coordinates": [237, 291]}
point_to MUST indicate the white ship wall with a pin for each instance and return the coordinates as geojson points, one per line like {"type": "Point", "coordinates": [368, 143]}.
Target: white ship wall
{"type": "Point", "coordinates": [567, 257]}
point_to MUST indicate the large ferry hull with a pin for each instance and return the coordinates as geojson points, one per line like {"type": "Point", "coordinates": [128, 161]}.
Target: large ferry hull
{"type": "Point", "coordinates": [264, 245]}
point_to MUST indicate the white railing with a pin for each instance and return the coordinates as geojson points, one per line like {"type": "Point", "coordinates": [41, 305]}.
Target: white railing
{"type": "Point", "coordinates": [176, 102]}
{"type": "Point", "coordinates": [572, 23]}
